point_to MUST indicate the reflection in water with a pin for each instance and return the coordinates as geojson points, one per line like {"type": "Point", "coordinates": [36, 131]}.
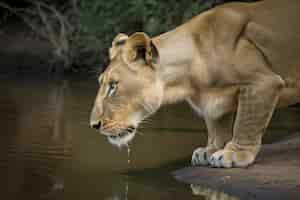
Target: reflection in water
{"type": "Point", "coordinates": [199, 192]}
{"type": "Point", "coordinates": [35, 143]}
{"type": "Point", "coordinates": [120, 196]}
{"type": "Point", "coordinates": [139, 187]}
{"type": "Point", "coordinates": [210, 194]}
{"type": "Point", "coordinates": [46, 146]}
{"type": "Point", "coordinates": [59, 96]}
{"type": "Point", "coordinates": [48, 151]}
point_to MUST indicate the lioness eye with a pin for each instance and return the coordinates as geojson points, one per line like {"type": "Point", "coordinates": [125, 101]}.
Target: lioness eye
{"type": "Point", "coordinates": [112, 88]}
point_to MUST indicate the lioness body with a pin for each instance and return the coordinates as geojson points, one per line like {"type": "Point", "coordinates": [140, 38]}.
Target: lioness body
{"type": "Point", "coordinates": [234, 64]}
{"type": "Point", "coordinates": [237, 39]}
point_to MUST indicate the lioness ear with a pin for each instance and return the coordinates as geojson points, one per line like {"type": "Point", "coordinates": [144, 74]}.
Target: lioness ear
{"type": "Point", "coordinates": [116, 45]}
{"type": "Point", "coordinates": [140, 46]}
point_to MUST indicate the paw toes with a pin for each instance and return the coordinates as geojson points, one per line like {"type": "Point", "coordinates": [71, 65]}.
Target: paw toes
{"type": "Point", "coordinates": [200, 157]}
{"type": "Point", "coordinates": [219, 160]}
{"type": "Point", "coordinates": [195, 160]}
{"type": "Point", "coordinates": [212, 161]}
{"type": "Point", "coordinates": [205, 155]}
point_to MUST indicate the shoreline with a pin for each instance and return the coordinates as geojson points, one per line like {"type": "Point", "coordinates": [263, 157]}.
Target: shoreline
{"type": "Point", "coordinates": [275, 174]}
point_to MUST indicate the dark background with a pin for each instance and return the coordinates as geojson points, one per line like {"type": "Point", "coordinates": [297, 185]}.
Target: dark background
{"type": "Point", "coordinates": [74, 35]}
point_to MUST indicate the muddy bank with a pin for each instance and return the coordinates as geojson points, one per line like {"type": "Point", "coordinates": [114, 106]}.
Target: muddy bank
{"type": "Point", "coordinates": [275, 175]}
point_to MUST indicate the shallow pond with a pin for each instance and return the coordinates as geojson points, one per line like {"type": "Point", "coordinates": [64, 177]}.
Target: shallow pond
{"type": "Point", "coordinates": [48, 150]}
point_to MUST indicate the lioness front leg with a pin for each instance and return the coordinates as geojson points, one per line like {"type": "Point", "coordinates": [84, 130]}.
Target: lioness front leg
{"type": "Point", "coordinates": [219, 133]}
{"type": "Point", "coordinates": [256, 104]}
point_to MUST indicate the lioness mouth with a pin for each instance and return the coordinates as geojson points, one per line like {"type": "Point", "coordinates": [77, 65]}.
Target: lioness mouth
{"type": "Point", "coordinates": [123, 133]}
{"type": "Point", "coordinates": [123, 137]}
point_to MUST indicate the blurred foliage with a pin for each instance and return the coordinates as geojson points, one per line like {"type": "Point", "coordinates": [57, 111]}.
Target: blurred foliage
{"type": "Point", "coordinates": [104, 19]}
{"type": "Point", "coordinates": [94, 23]}
{"type": "Point", "coordinates": [101, 20]}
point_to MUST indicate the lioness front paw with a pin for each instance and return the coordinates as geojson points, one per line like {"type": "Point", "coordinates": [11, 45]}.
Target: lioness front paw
{"type": "Point", "coordinates": [201, 156]}
{"type": "Point", "coordinates": [228, 158]}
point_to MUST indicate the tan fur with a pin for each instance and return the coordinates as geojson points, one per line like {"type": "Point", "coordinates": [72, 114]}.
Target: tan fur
{"type": "Point", "coordinates": [234, 64]}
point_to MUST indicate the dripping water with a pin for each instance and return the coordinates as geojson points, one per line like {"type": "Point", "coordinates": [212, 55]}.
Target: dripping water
{"type": "Point", "coordinates": [128, 153]}
{"type": "Point", "coordinates": [126, 190]}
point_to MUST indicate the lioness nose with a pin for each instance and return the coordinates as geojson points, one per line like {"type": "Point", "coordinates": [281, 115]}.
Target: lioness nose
{"type": "Point", "coordinates": [96, 125]}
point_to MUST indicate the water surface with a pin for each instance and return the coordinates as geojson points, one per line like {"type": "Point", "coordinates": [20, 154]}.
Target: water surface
{"type": "Point", "coordinates": [49, 152]}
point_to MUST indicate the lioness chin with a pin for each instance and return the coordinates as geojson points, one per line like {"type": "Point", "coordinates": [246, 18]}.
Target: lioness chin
{"type": "Point", "coordinates": [234, 64]}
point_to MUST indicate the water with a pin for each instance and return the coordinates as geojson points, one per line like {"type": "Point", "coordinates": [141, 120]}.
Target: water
{"type": "Point", "coordinates": [48, 151]}
{"type": "Point", "coordinates": [128, 154]}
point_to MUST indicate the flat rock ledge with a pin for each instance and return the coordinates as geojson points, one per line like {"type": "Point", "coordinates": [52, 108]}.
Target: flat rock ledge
{"type": "Point", "coordinates": [274, 176]}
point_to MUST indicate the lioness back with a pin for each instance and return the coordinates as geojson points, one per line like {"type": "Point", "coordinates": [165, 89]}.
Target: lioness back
{"type": "Point", "coordinates": [270, 26]}
{"type": "Point", "coordinates": [275, 29]}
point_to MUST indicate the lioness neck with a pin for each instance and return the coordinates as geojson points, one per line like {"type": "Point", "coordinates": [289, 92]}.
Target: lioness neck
{"type": "Point", "coordinates": [176, 51]}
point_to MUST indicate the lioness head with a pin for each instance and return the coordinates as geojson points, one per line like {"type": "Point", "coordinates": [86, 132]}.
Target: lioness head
{"type": "Point", "coordinates": [129, 88]}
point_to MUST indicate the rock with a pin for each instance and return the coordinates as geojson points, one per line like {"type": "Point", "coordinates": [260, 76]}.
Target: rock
{"type": "Point", "coordinates": [275, 175]}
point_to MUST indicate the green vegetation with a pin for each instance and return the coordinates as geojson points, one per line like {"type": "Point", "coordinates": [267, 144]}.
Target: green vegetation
{"type": "Point", "coordinates": [104, 19]}
{"type": "Point", "coordinates": [81, 31]}
{"type": "Point", "coordinates": [101, 20]}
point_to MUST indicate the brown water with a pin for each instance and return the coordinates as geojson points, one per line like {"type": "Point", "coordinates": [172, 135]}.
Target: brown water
{"type": "Point", "coordinates": [48, 151]}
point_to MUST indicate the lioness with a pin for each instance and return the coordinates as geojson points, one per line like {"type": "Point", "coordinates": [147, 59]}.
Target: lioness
{"type": "Point", "coordinates": [233, 64]}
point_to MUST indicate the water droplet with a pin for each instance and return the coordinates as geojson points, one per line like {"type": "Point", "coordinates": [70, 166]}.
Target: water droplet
{"type": "Point", "coordinates": [128, 154]}
{"type": "Point", "coordinates": [126, 191]}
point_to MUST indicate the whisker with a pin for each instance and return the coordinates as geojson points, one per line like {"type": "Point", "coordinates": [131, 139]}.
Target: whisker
{"type": "Point", "coordinates": [148, 120]}
{"type": "Point", "coordinates": [139, 133]}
